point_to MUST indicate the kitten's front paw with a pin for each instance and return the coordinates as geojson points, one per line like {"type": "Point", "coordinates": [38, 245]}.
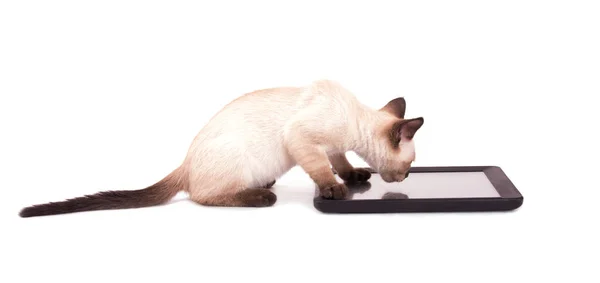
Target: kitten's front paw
{"type": "Point", "coordinates": [336, 191]}
{"type": "Point", "coordinates": [356, 175]}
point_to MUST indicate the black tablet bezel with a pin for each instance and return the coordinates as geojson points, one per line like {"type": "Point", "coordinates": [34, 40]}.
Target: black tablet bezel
{"type": "Point", "coordinates": [510, 198]}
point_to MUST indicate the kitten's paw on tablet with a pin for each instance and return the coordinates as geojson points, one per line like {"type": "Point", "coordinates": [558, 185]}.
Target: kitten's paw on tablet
{"type": "Point", "coordinates": [356, 175]}
{"type": "Point", "coordinates": [336, 191]}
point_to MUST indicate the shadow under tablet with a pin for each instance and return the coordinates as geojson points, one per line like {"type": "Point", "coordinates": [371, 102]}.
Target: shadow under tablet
{"type": "Point", "coordinates": [429, 189]}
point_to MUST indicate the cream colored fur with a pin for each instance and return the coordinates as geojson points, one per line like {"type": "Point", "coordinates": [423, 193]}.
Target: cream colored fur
{"type": "Point", "coordinates": [261, 135]}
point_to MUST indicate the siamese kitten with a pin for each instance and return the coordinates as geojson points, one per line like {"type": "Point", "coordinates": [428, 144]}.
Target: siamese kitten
{"type": "Point", "coordinates": [258, 137]}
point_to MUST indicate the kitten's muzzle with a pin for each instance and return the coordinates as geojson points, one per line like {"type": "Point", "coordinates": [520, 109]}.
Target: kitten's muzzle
{"type": "Point", "coordinates": [390, 177]}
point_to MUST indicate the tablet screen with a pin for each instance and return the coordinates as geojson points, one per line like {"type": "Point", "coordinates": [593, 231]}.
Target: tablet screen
{"type": "Point", "coordinates": [426, 185]}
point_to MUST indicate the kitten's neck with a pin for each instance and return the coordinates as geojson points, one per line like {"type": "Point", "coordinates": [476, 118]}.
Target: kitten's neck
{"type": "Point", "coordinates": [365, 137]}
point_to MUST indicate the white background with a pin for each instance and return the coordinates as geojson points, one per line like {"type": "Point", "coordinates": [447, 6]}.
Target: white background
{"type": "Point", "coordinates": [99, 95]}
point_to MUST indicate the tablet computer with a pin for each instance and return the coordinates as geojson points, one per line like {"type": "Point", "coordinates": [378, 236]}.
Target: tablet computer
{"type": "Point", "coordinates": [429, 189]}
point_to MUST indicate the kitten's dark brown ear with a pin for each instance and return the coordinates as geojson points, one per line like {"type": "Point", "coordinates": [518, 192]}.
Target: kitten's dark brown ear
{"type": "Point", "coordinates": [396, 107]}
{"type": "Point", "coordinates": [405, 129]}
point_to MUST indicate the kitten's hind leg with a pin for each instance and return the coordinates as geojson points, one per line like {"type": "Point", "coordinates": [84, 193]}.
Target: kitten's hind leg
{"type": "Point", "coordinates": [244, 198]}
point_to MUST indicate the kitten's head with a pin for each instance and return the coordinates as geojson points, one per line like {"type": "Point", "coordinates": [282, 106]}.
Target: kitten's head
{"type": "Point", "coordinates": [395, 142]}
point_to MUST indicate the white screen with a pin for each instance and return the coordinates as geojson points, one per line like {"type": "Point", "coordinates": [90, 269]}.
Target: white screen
{"type": "Point", "coordinates": [427, 185]}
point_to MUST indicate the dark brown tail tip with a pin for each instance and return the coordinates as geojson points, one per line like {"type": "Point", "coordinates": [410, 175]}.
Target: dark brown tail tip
{"type": "Point", "coordinates": [27, 212]}
{"type": "Point", "coordinates": [45, 209]}
{"type": "Point", "coordinates": [32, 211]}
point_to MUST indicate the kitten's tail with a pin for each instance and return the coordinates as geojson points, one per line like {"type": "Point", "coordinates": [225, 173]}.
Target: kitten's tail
{"type": "Point", "coordinates": [156, 194]}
